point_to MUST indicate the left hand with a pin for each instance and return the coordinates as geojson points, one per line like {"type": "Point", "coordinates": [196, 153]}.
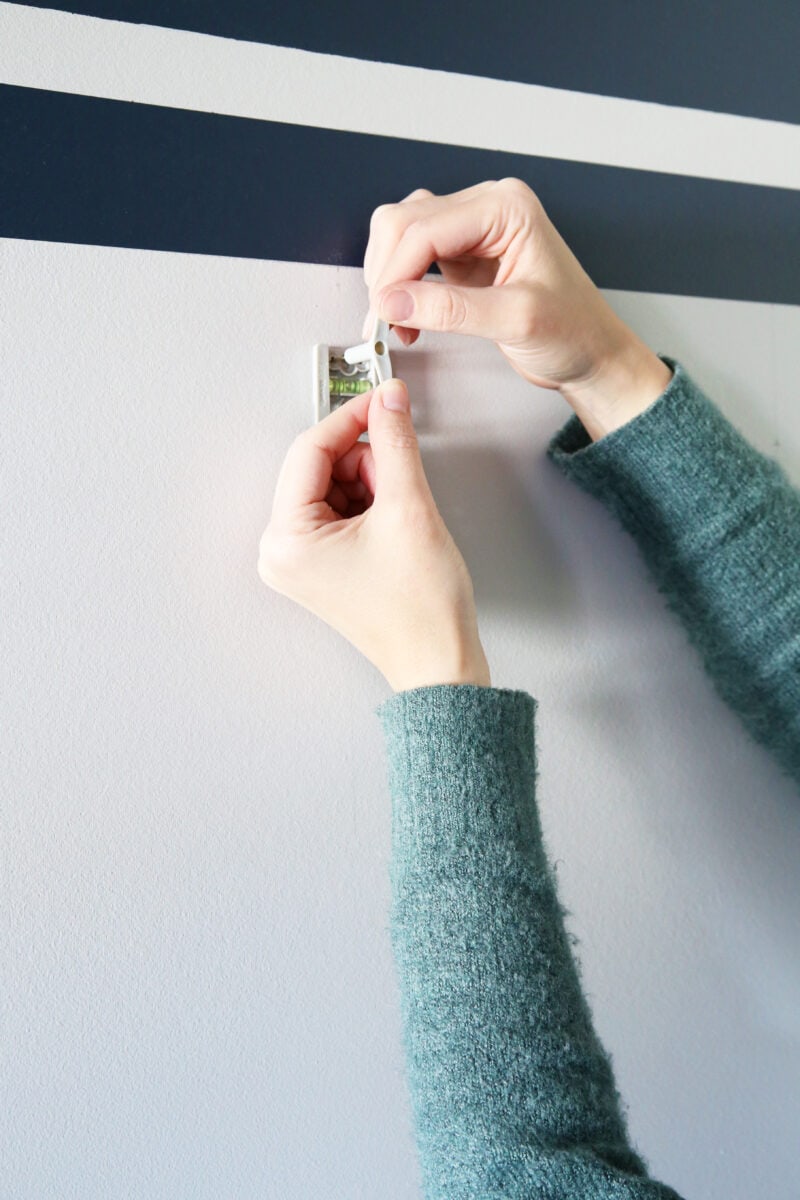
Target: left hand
{"type": "Point", "coordinates": [355, 537]}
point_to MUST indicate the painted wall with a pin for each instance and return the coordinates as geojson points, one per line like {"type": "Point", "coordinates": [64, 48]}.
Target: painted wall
{"type": "Point", "coordinates": [198, 994]}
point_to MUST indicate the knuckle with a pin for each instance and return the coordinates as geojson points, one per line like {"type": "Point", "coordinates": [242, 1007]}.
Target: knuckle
{"type": "Point", "coordinates": [527, 320]}
{"type": "Point", "coordinates": [388, 218]}
{"type": "Point", "coordinates": [527, 327]}
{"type": "Point", "coordinates": [510, 183]}
{"type": "Point", "coordinates": [519, 190]}
{"type": "Point", "coordinates": [379, 215]}
{"type": "Point", "coordinates": [450, 310]}
{"type": "Point", "coordinates": [402, 439]}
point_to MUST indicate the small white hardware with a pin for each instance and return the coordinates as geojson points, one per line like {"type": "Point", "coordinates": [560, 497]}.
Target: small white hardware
{"type": "Point", "coordinates": [340, 374]}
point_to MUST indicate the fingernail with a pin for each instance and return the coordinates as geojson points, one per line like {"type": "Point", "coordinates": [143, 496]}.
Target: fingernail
{"type": "Point", "coordinates": [397, 306]}
{"type": "Point", "coordinates": [395, 396]}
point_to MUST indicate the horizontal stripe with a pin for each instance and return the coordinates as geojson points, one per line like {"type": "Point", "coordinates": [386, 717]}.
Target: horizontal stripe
{"type": "Point", "coordinates": [44, 49]}
{"type": "Point", "coordinates": [739, 56]}
{"type": "Point", "coordinates": [81, 169]}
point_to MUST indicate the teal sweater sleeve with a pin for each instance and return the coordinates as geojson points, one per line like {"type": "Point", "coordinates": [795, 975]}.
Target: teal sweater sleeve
{"type": "Point", "coordinates": [512, 1093]}
{"type": "Point", "coordinates": [718, 525]}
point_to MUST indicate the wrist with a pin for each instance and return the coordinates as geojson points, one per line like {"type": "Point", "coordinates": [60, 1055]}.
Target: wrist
{"type": "Point", "coordinates": [625, 383]}
{"type": "Point", "coordinates": [467, 664]}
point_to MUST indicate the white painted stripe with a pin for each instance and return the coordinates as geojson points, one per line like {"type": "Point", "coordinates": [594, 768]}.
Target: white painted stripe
{"type": "Point", "coordinates": [57, 51]}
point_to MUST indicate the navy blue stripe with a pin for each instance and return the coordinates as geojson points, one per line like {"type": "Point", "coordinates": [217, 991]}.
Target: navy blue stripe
{"type": "Point", "coordinates": [112, 173]}
{"type": "Point", "coordinates": [737, 56]}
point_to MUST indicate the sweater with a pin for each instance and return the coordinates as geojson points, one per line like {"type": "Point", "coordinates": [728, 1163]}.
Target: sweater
{"type": "Point", "coordinates": [512, 1093]}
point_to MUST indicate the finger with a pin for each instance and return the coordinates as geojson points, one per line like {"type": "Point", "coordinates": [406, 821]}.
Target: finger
{"type": "Point", "coordinates": [354, 472]}
{"type": "Point", "coordinates": [346, 470]}
{"type": "Point", "coordinates": [344, 505]}
{"type": "Point", "coordinates": [467, 271]}
{"type": "Point", "coordinates": [502, 314]}
{"type": "Point", "coordinates": [406, 336]}
{"type": "Point", "coordinates": [379, 240]}
{"type": "Point", "coordinates": [307, 470]}
{"type": "Point", "coordinates": [417, 194]}
{"type": "Point", "coordinates": [337, 499]}
{"type": "Point", "coordinates": [464, 271]}
{"type": "Point", "coordinates": [388, 225]}
{"type": "Point", "coordinates": [366, 473]}
{"type": "Point", "coordinates": [480, 227]}
{"type": "Point", "coordinates": [399, 471]}
{"type": "Point", "coordinates": [389, 222]}
{"type": "Point", "coordinates": [356, 508]}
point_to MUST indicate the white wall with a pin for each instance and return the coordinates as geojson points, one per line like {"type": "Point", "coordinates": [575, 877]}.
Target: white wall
{"type": "Point", "coordinates": [198, 989]}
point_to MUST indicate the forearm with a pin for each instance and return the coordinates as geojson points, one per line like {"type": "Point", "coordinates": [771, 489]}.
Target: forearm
{"type": "Point", "coordinates": [718, 524]}
{"type": "Point", "coordinates": [509, 1083]}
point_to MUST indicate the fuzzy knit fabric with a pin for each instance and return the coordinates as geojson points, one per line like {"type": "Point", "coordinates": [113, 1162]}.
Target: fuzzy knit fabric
{"type": "Point", "coordinates": [718, 525]}
{"type": "Point", "coordinates": [512, 1093]}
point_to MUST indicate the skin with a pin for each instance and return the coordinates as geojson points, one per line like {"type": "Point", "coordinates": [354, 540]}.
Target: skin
{"type": "Point", "coordinates": [355, 535]}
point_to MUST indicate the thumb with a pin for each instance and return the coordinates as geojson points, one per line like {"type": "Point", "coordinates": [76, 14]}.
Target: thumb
{"type": "Point", "coordinates": [399, 473]}
{"type": "Point", "coordinates": [498, 313]}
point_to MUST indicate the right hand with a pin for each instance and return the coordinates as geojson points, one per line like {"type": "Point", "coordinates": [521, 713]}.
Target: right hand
{"type": "Point", "coordinates": [355, 537]}
{"type": "Point", "coordinates": [508, 275]}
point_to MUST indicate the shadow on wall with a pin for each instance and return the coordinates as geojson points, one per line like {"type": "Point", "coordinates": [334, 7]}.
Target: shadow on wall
{"type": "Point", "coordinates": [514, 561]}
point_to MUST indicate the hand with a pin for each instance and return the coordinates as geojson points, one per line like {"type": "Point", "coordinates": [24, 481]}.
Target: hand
{"type": "Point", "coordinates": [355, 537]}
{"type": "Point", "coordinates": [508, 275]}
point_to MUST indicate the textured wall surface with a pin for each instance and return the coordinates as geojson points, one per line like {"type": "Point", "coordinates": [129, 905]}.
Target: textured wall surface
{"type": "Point", "coordinates": [198, 996]}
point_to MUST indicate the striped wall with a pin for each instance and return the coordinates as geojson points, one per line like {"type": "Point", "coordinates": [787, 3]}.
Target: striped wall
{"type": "Point", "coordinates": [630, 183]}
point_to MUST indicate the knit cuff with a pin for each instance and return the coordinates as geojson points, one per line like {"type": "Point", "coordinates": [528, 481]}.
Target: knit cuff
{"type": "Point", "coordinates": [462, 771]}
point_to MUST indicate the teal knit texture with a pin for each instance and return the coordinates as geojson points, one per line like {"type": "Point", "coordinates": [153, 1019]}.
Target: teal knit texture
{"type": "Point", "coordinates": [513, 1094]}
{"type": "Point", "coordinates": [718, 525]}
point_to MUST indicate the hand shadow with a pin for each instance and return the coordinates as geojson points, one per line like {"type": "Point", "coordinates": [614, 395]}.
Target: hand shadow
{"type": "Point", "coordinates": [514, 562]}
